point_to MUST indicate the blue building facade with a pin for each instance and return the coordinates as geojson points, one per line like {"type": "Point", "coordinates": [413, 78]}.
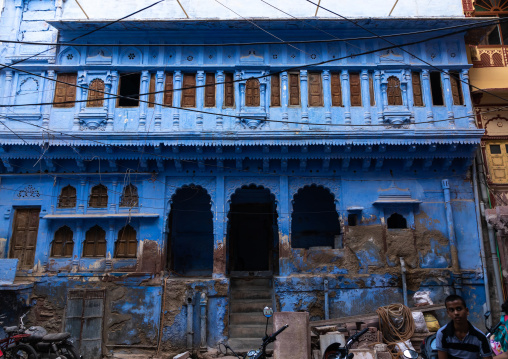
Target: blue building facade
{"type": "Point", "coordinates": [138, 178]}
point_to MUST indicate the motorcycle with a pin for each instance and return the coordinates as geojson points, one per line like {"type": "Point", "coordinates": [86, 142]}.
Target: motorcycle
{"type": "Point", "coordinates": [12, 346]}
{"type": "Point", "coordinates": [267, 339]}
{"type": "Point", "coordinates": [495, 346]}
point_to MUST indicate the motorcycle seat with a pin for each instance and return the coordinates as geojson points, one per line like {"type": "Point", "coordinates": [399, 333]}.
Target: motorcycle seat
{"type": "Point", "coordinates": [56, 337]}
{"type": "Point", "coordinates": [11, 329]}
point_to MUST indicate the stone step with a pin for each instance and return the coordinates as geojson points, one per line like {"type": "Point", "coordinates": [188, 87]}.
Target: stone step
{"type": "Point", "coordinates": [251, 293]}
{"type": "Point", "coordinates": [243, 345]}
{"type": "Point", "coordinates": [249, 318]}
{"type": "Point", "coordinates": [250, 305]}
{"type": "Point", "coordinates": [250, 282]}
{"type": "Point", "coordinates": [248, 331]}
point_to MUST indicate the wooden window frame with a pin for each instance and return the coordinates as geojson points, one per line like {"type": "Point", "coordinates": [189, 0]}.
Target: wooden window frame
{"type": "Point", "coordinates": [168, 89]}
{"type": "Point", "coordinates": [100, 198]}
{"type": "Point", "coordinates": [129, 199]}
{"type": "Point", "coordinates": [95, 98]}
{"type": "Point", "coordinates": [95, 242]}
{"type": "Point", "coordinates": [393, 92]}
{"type": "Point", "coordinates": [128, 244]}
{"type": "Point", "coordinates": [416, 83]}
{"type": "Point", "coordinates": [67, 200]}
{"type": "Point", "coordinates": [497, 162]}
{"type": "Point", "coordinates": [65, 93]}
{"type": "Point", "coordinates": [275, 94]}
{"type": "Point", "coordinates": [190, 90]}
{"type": "Point", "coordinates": [229, 85]}
{"type": "Point", "coordinates": [336, 94]}
{"type": "Point", "coordinates": [319, 94]}
{"type": "Point", "coordinates": [372, 93]}
{"type": "Point", "coordinates": [292, 94]}
{"type": "Point", "coordinates": [456, 85]}
{"type": "Point", "coordinates": [352, 94]}
{"type": "Point", "coordinates": [64, 244]}
{"type": "Point", "coordinates": [151, 91]}
{"type": "Point", "coordinates": [210, 100]}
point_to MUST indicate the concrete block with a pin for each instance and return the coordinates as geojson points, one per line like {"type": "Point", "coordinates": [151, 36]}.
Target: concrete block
{"type": "Point", "coordinates": [38, 15]}
{"type": "Point", "coordinates": [330, 338]}
{"type": "Point", "coordinates": [364, 353]}
{"type": "Point", "coordinates": [8, 270]}
{"type": "Point", "coordinates": [294, 342]}
{"type": "Point", "coordinates": [182, 356]}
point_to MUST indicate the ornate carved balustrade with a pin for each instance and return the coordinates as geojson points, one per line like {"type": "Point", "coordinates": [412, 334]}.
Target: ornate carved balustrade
{"type": "Point", "coordinates": [489, 55]}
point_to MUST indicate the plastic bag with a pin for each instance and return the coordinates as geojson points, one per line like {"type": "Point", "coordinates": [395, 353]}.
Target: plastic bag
{"type": "Point", "coordinates": [432, 323]}
{"type": "Point", "coordinates": [420, 324]}
{"type": "Point", "coordinates": [421, 298]}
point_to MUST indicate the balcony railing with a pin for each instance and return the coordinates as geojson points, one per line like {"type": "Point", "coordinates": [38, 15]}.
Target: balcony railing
{"type": "Point", "coordinates": [489, 55]}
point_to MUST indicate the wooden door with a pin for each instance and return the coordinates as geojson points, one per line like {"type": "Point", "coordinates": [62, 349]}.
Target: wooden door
{"type": "Point", "coordinates": [24, 236]}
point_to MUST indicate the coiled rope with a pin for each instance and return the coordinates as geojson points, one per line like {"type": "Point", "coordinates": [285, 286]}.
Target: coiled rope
{"type": "Point", "coordinates": [395, 323]}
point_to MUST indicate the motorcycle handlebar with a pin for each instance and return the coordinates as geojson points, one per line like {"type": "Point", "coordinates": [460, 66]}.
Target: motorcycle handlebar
{"type": "Point", "coordinates": [356, 336]}
{"type": "Point", "coordinates": [279, 331]}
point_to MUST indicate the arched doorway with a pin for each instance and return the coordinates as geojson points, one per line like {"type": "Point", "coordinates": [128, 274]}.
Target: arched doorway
{"type": "Point", "coordinates": [314, 221]}
{"type": "Point", "coordinates": [252, 231]}
{"type": "Point", "coordinates": [190, 238]}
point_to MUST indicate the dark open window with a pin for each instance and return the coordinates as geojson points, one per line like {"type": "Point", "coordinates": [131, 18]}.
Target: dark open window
{"type": "Point", "coordinates": [275, 90]}
{"type": "Point", "coordinates": [67, 198]}
{"type": "Point", "coordinates": [352, 219]}
{"type": "Point", "coordinates": [396, 221]}
{"type": "Point", "coordinates": [98, 197]}
{"type": "Point", "coordinates": [129, 196]}
{"type": "Point", "coordinates": [336, 89]}
{"type": "Point", "coordinates": [252, 97]}
{"type": "Point", "coordinates": [95, 242]}
{"type": "Point", "coordinates": [458, 99]}
{"type": "Point", "coordinates": [315, 89]}
{"type": "Point", "coordinates": [129, 87]}
{"type": "Point", "coordinates": [126, 244]}
{"type": "Point", "coordinates": [495, 149]}
{"type": "Point", "coordinates": [151, 91]}
{"type": "Point", "coordinates": [229, 90]}
{"type": "Point", "coordinates": [294, 89]}
{"type": "Point", "coordinates": [356, 89]}
{"type": "Point", "coordinates": [63, 244]}
{"type": "Point", "coordinates": [393, 92]}
{"type": "Point", "coordinates": [168, 90]}
{"type": "Point", "coordinates": [417, 89]}
{"type": "Point", "coordinates": [189, 90]}
{"type": "Point", "coordinates": [65, 92]}
{"type": "Point", "coordinates": [210, 90]}
{"type": "Point", "coordinates": [95, 94]}
{"type": "Point", "coordinates": [436, 88]}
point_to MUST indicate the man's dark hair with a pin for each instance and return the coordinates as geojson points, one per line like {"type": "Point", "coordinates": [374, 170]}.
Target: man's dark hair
{"type": "Point", "coordinates": [453, 298]}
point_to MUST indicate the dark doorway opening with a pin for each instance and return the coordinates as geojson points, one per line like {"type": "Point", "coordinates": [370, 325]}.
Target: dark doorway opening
{"type": "Point", "coordinates": [252, 231]}
{"type": "Point", "coordinates": [190, 247]}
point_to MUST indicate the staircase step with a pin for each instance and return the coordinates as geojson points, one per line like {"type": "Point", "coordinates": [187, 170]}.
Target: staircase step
{"type": "Point", "coordinates": [249, 318]}
{"type": "Point", "coordinates": [249, 293]}
{"type": "Point", "coordinates": [250, 305]}
{"type": "Point", "coordinates": [243, 345]}
{"type": "Point", "coordinates": [248, 331]}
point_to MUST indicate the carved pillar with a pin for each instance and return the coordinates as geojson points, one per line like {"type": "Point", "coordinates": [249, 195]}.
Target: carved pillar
{"type": "Point", "coordinates": [379, 100]}
{"type": "Point", "coordinates": [177, 99]}
{"type": "Point", "coordinates": [7, 90]}
{"type": "Point", "coordinates": [219, 228]}
{"type": "Point", "coordinates": [284, 228]}
{"type": "Point", "coordinates": [80, 95]}
{"type": "Point", "coordinates": [447, 93]}
{"type": "Point", "coordinates": [239, 98]}
{"type": "Point", "coordinates": [304, 95]}
{"type": "Point", "coordinates": [107, 103]}
{"type": "Point", "coordinates": [113, 80]}
{"type": "Point", "coordinates": [327, 90]}
{"type": "Point", "coordinates": [346, 97]}
{"type": "Point", "coordinates": [159, 88]}
{"type": "Point", "coordinates": [113, 197]}
{"type": "Point", "coordinates": [464, 76]}
{"type": "Point", "coordinates": [82, 197]}
{"type": "Point", "coordinates": [366, 96]}
{"type": "Point", "coordinates": [143, 88]}
{"type": "Point", "coordinates": [110, 245]}
{"type": "Point", "coordinates": [200, 96]}
{"type": "Point", "coordinates": [284, 99]}
{"type": "Point", "coordinates": [427, 95]}
{"type": "Point", "coordinates": [79, 237]}
{"type": "Point", "coordinates": [219, 99]}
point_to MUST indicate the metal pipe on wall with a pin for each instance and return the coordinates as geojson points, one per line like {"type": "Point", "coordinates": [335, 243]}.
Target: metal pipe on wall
{"type": "Point", "coordinates": [457, 282]}
{"type": "Point", "coordinates": [327, 305]}
{"type": "Point", "coordinates": [202, 304]}
{"type": "Point", "coordinates": [404, 281]}
{"type": "Point", "coordinates": [190, 318]}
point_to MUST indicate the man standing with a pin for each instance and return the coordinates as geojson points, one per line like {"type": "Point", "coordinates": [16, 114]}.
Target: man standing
{"type": "Point", "coordinates": [459, 338]}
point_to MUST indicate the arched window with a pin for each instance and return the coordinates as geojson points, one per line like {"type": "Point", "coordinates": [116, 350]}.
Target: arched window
{"type": "Point", "coordinates": [63, 244]}
{"type": "Point", "coordinates": [98, 197]}
{"type": "Point", "coordinates": [252, 98]}
{"type": "Point", "coordinates": [396, 221]}
{"type": "Point", "coordinates": [96, 94]}
{"type": "Point", "coordinates": [393, 92]}
{"type": "Point", "coordinates": [129, 196]}
{"type": "Point", "coordinates": [95, 242]}
{"type": "Point", "coordinates": [126, 244]}
{"type": "Point", "coordinates": [67, 198]}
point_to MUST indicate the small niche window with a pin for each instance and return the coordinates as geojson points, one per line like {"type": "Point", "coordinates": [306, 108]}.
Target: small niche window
{"type": "Point", "coordinates": [65, 90]}
{"type": "Point", "coordinates": [294, 89]}
{"type": "Point", "coordinates": [396, 221]}
{"type": "Point", "coordinates": [129, 87]}
{"type": "Point", "coordinates": [229, 90]}
{"type": "Point", "coordinates": [458, 99]}
{"type": "Point", "coordinates": [95, 242]}
{"type": "Point", "coordinates": [315, 89]}
{"type": "Point", "coordinates": [356, 89]}
{"type": "Point", "coordinates": [336, 89]}
{"type": "Point", "coordinates": [352, 219]}
{"type": "Point", "coordinates": [252, 97]}
{"type": "Point", "coordinates": [98, 197]}
{"type": "Point", "coordinates": [393, 92]}
{"type": "Point", "coordinates": [129, 196]}
{"type": "Point", "coordinates": [275, 90]}
{"type": "Point", "coordinates": [189, 90]}
{"type": "Point", "coordinates": [62, 245]}
{"type": "Point", "coordinates": [95, 94]}
{"type": "Point", "coordinates": [126, 244]}
{"type": "Point", "coordinates": [67, 198]}
{"type": "Point", "coordinates": [436, 88]}
{"type": "Point", "coordinates": [417, 89]}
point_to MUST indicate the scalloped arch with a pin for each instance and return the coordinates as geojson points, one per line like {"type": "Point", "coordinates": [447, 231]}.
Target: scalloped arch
{"type": "Point", "coordinates": [69, 56]}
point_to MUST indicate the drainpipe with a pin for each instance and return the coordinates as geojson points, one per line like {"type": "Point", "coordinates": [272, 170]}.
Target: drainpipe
{"type": "Point", "coordinates": [327, 305]}
{"type": "Point", "coordinates": [457, 282]}
{"type": "Point", "coordinates": [404, 282]}
{"type": "Point", "coordinates": [490, 229]}
{"type": "Point", "coordinates": [479, 211]}
{"type": "Point", "coordinates": [202, 304]}
{"type": "Point", "coordinates": [190, 317]}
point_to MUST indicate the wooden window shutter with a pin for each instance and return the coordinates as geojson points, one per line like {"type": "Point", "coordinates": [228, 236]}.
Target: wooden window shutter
{"type": "Point", "coordinates": [168, 90]}
{"type": "Point", "coordinates": [151, 91]}
{"type": "Point", "coordinates": [371, 91]}
{"type": "Point", "coordinates": [67, 198]}
{"type": "Point", "coordinates": [64, 92]}
{"type": "Point", "coordinates": [294, 89]}
{"type": "Point", "coordinates": [126, 244]}
{"type": "Point", "coordinates": [210, 90]}
{"type": "Point", "coordinates": [95, 94]}
{"type": "Point", "coordinates": [315, 89]}
{"type": "Point", "coordinates": [252, 98]}
{"type": "Point", "coordinates": [275, 90]}
{"type": "Point", "coordinates": [95, 242]}
{"type": "Point", "coordinates": [62, 245]}
{"type": "Point", "coordinates": [356, 89]}
{"type": "Point", "coordinates": [336, 89]}
{"type": "Point", "coordinates": [98, 197]}
{"type": "Point", "coordinates": [189, 92]}
{"type": "Point", "coordinates": [456, 89]}
{"type": "Point", "coordinates": [229, 90]}
{"type": "Point", "coordinates": [129, 196]}
{"type": "Point", "coordinates": [393, 92]}
{"type": "Point", "coordinates": [417, 89]}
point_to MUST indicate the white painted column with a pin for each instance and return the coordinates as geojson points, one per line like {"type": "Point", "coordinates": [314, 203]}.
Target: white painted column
{"type": "Point", "coordinates": [327, 91]}
{"type": "Point", "coordinates": [284, 99]}
{"type": "Point", "coordinates": [346, 96]}
{"type": "Point", "coordinates": [304, 98]}
{"type": "Point", "coordinates": [427, 96]}
{"type": "Point", "coordinates": [366, 96]}
{"type": "Point", "coordinates": [177, 99]}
